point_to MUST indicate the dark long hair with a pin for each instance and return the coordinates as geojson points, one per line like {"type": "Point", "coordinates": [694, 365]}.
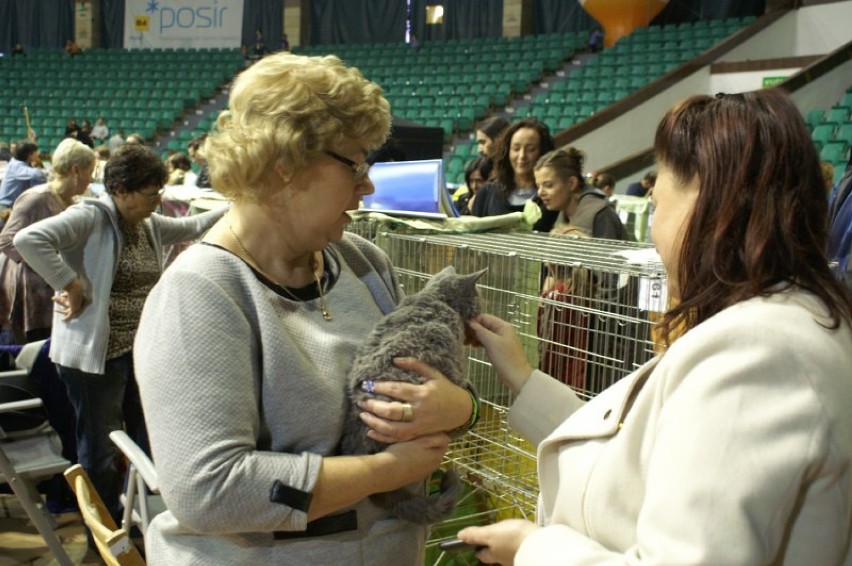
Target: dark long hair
{"type": "Point", "coordinates": [481, 164]}
{"type": "Point", "coordinates": [503, 172]}
{"type": "Point", "coordinates": [492, 127]}
{"type": "Point", "coordinates": [760, 218]}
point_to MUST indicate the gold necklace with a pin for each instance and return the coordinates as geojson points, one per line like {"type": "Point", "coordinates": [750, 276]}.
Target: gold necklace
{"type": "Point", "coordinates": [326, 314]}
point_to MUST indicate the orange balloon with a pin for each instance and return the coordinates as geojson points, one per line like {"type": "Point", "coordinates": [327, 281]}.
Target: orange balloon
{"type": "Point", "coordinates": [621, 17]}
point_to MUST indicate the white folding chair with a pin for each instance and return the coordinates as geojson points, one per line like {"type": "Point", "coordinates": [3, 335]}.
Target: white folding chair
{"type": "Point", "coordinates": [26, 460]}
{"type": "Point", "coordinates": [29, 456]}
{"type": "Point", "coordinates": [140, 506]}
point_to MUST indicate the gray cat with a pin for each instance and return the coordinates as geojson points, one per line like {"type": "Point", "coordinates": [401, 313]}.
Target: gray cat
{"type": "Point", "coordinates": [429, 326]}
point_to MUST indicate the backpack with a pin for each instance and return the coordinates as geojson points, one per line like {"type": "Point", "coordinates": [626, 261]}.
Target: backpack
{"type": "Point", "coordinates": [840, 229]}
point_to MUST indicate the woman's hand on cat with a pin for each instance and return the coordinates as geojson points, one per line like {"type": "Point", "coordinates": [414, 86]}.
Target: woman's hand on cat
{"type": "Point", "coordinates": [438, 405]}
{"type": "Point", "coordinates": [504, 351]}
{"type": "Point", "coordinates": [416, 459]}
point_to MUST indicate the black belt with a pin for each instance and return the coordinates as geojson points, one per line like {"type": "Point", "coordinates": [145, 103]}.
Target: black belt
{"type": "Point", "coordinates": [323, 526]}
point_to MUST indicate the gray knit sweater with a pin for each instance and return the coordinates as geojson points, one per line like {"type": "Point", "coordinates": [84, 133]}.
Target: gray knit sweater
{"type": "Point", "coordinates": [243, 387]}
{"type": "Point", "coordinates": [85, 241]}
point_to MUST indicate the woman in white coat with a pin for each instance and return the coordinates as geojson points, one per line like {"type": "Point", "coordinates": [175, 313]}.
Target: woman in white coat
{"type": "Point", "coordinates": [735, 445]}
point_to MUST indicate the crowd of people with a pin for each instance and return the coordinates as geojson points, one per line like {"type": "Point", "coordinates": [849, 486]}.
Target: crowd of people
{"type": "Point", "coordinates": [58, 239]}
{"type": "Point", "coordinates": [518, 166]}
{"type": "Point", "coordinates": [229, 366]}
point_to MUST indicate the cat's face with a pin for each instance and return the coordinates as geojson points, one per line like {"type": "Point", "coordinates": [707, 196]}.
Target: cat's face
{"type": "Point", "coordinates": [458, 291]}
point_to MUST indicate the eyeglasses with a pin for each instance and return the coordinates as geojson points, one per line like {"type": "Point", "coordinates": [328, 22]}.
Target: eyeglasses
{"type": "Point", "coordinates": [359, 170]}
{"type": "Point", "coordinates": [154, 197]}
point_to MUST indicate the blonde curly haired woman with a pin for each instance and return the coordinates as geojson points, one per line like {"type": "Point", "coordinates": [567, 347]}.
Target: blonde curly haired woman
{"type": "Point", "coordinates": [271, 310]}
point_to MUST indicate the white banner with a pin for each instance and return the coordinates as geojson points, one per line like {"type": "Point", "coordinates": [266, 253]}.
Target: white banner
{"type": "Point", "coordinates": [83, 23]}
{"type": "Point", "coordinates": [182, 23]}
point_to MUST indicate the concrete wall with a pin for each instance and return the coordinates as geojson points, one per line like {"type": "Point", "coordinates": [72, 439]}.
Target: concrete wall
{"type": "Point", "coordinates": [633, 132]}
{"type": "Point", "coordinates": [825, 92]}
{"type": "Point", "coordinates": [824, 28]}
{"type": "Point", "coordinates": [812, 30]}
{"type": "Point", "coordinates": [749, 80]}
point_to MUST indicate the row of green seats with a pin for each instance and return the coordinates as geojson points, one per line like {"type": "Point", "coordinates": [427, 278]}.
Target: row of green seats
{"type": "Point", "coordinates": [127, 67]}
{"type": "Point", "coordinates": [825, 133]}
{"type": "Point", "coordinates": [616, 59]}
{"type": "Point", "coordinates": [838, 114]}
{"type": "Point", "coordinates": [615, 73]}
{"type": "Point", "coordinates": [832, 131]}
{"type": "Point", "coordinates": [450, 60]}
{"type": "Point", "coordinates": [561, 106]}
{"type": "Point", "coordinates": [435, 77]}
{"type": "Point", "coordinates": [570, 38]}
{"type": "Point", "coordinates": [578, 107]}
{"type": "Point", "coordinates": [432, 103]}
{"type": "Point", "coordinates": [835, 152]}
{"type": "Point", "coordinates": [473, 88]}
{"type": "Point", "coordinates": [698, 25]}
{"type": "Point", "coordinates": [686, 35]}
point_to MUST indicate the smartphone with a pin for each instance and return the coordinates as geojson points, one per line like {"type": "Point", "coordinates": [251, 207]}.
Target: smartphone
{"type": "Point", "coordinates": [456, 545]}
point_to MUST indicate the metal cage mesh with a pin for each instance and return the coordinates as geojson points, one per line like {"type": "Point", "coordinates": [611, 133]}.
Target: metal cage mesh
{"type": "Point", "coordinates": [593, 328]}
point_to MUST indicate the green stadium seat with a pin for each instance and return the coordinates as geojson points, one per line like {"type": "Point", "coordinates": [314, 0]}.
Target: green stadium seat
{"type": "Point", "coordinates": [834, 151]}
{"type": "Point", "coordinates": [448, 125]}
{"type": "Point", "coordinates": [565, 122]}
{"type": "Point", "coordinates": [465, 118]}
{"type": "Point", "coordinates": [837, 115]}
{"type": "Point", "coordinates": [537, 112]}
{"type": "Point", "coordinates": [585, 110]}
{"type": "Point", "coordinates": [553, 111]}
{"type": "Point", "coordinates": [823, 134]}
{"type": "Point", "coordinates": [814, 117]}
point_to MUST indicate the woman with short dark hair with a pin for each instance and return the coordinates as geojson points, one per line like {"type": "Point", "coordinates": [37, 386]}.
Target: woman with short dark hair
{"type": "Point", "coordinates": [102, 257]}
{"type": "Point", "coordinates": [24, 171]}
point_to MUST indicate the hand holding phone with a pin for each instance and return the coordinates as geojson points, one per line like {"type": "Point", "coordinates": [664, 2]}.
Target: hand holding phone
{"type": "Point", "coordinates": [457, 545]}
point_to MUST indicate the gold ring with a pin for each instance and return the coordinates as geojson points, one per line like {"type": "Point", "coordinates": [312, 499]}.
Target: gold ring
{"type": "Point", "coordinates": [407, 412]}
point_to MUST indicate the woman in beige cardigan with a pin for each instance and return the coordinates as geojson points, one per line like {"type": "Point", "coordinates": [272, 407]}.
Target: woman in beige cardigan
{"type": "Point", "coordinates": [735, 445]}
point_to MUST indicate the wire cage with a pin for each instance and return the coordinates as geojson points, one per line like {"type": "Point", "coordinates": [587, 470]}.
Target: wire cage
{"type": "Point", "coordinates": [584, 308]}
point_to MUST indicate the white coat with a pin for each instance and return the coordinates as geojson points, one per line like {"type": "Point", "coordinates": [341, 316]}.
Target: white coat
{"type": "Point", "coordinates": [734, 447]}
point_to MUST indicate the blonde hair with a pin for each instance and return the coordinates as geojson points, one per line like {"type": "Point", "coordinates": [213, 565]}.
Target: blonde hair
{"type": "Point", "coordinates": [283, 111]}
{"type": "Point", "coordinates": [68, 153]}
{"type": "Point", "coordinates": [827, 171]}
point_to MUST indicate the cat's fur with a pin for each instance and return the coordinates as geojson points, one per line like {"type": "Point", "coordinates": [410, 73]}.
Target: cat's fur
{"type": "Point", "coordinates": [429, 326]}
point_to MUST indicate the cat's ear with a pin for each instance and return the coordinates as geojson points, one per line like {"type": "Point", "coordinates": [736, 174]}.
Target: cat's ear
{"type": "Point", "coordinates": [477, 275]}
{"type": "Point", "coordinates": [445, 273]}
{"type": "Point", "coordinates": [472, 278]}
